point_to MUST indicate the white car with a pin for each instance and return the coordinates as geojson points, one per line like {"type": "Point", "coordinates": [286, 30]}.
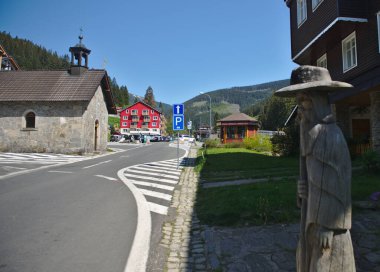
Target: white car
{"type": "Point", "coordinates": [187, 138]}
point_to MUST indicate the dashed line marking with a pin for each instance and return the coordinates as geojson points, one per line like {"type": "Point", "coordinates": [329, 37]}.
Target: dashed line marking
{"type": "Point", "coordinates": [62, 172]}
{"type": "Point", "coordinates": [86, 167]}
{"type": "Point", "coordinates": [105, 177]}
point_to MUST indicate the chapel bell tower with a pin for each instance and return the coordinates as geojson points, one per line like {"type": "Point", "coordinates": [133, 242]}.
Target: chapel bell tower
{"type": "Point", "coordinates": [79, 54]}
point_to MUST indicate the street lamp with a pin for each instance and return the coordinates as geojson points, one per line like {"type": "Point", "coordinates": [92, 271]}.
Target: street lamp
{"type": "Point", "coordinates": [210, 109]}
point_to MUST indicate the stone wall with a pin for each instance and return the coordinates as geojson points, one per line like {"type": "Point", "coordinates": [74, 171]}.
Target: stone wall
{"type": "Point", "coordinates": [60, 127]}
{"type": "Point", "coordinates": [96, 110]}
{"type": "Point", "coordinates": [375, 120]}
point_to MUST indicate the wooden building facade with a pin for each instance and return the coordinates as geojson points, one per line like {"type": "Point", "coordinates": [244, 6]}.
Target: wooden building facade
{"type": "Point", "coordinates": [236, 127]}
{"type": "Point", "coordinates": [343, 36]}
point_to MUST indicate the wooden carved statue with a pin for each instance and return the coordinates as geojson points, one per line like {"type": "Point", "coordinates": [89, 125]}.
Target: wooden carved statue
{"type": "Point", "coordinates": [324, 187]}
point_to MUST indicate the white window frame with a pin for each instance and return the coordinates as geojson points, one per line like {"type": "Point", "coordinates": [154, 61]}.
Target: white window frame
{"type": "Point", "coordinates": [315, 4]}
{"type": "Point", "coordinates": [322, 61]}
{"type": "Point", "coordinates": [135, 112]}
{"type": "Point", "coordinates": [378, 28]}
{"type": "Point", "coordinates": [155, 117]}
{"type": "Point", "coordinates": [125, 117]}
{"type": "Point", "coordinates": [126, 111]}
{"type": "Point", "coordinates": [151, 111]}
{"type": "Point", "coordinates": [145, 112]}
{"type": "Point", "coordinates": [301, 12]}
{"type": "Point", "coordinates": [154, 124]}
{"type": "Point", "coordinates": [352, 51]}
{"type": "Point", "coordinates": [125, 124]}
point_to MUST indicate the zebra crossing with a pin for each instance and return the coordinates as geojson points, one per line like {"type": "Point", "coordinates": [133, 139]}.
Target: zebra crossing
{"type": "Point", "coordinates": [156, 181]}
{"type": "Point", "coordinates": [37, 158]}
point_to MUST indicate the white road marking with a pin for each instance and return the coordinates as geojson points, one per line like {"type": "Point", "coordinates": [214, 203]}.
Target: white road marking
{"type": "Point", "coordinates": [150, 169]}
{"type": "Point", "coordinates": [96, 164]}
{"type": "Point", "coordinates": [63, 172]}
{"type": "Point", "coordinates": [153, 185]}
{"type": "Point", "coordinates": [153, 207]}
{"type": "Point", "coordinates": [174, 169]}
{"type": "Point", "coordinates": [139, 252]}
{"type": "Point", "coordinates": [151, 178]}
{"type": "Point", "coordinates": [105, 177]}
{"type": "Point", "coordinates": [156, 194]}
{"type": "Point", "coordinates": [12, 167]}
{"type": "Point", "coordinates": [131, 170]}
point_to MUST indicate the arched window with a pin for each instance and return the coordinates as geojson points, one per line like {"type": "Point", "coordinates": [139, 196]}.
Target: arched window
{"type": "Point", "coordinates": [30, 120]}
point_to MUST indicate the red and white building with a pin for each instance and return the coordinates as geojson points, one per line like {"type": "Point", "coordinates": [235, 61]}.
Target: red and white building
{"type": "Point", "coordinates": [140, 118]}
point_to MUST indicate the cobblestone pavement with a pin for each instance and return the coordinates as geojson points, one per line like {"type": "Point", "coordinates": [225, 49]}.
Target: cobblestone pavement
{"type": "Point", "coordinates": [195, 247]}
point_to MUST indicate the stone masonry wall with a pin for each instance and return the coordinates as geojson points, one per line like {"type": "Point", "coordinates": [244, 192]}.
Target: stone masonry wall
{"type": "Point", "coordinates": [375, 120]}
{"type": "Point", "coordinates": [60, 127]}
{"type": "Point", "coordinates": [96, 110]}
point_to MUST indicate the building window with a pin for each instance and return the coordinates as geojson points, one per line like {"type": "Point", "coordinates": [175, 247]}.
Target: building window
{"type": "Point", "coordinates": [349, 52]}
{"type": "Point", "coordinates": [155, 117]}
{"type": "Point", "coordinates": [151, 111]}
{"type": "Point", "coordinates": [145, 112]}
{"type": "Point", "coordinates": [135, 111]}
{"type": "Point", "coordinates": [322, 61]}
{"type": "Point", "coordinates": [126, 111]}
{"type": "Point", "coordinates": [125, 117]}
{"type": "Point", "coordinates": [30, 120]}
{"type": "Point", "coordinates": [301, 11]}
{"type": "Point", "coordinates": [315, 3]}
{"type": "Point", "coordinates": [125, 124]}
{"type": "Point", "coordinates": [241, 132]}
{"type": "Point", "coordinates": [378, 29]}
{"type": "Point", "coordinates": [154, 124]}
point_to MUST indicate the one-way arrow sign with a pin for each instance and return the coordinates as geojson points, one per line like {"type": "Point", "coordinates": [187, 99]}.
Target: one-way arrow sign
{"type": "Point", "coordinates": [178, 109]}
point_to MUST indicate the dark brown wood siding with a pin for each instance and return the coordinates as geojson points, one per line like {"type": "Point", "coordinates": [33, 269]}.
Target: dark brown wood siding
{"type": "Point", "coordinates": [353, 8]}
{"type": "Point", "coordinates": [367, 41]}
{"type": "Point", "coordinates": [315, 23]}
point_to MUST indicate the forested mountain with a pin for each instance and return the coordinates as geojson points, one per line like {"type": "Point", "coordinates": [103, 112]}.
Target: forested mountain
{"type": "Point", "coordinates": [248, 99]}
{"type": "Point", "coordinates": [30, 56]}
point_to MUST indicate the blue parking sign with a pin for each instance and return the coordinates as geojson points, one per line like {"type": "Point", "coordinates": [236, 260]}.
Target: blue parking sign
{"type": "Point", "coordinates": [178, 121]}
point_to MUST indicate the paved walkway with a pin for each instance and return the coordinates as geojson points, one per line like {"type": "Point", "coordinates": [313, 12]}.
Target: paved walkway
{"type": "Point", "coordinates": [195, 247]}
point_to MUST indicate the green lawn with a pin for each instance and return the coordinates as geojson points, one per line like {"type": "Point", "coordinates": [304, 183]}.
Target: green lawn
{"type": "Point", "coordinates": [223, 164]}
{"type": "Point", "coordinates": [261, 203]}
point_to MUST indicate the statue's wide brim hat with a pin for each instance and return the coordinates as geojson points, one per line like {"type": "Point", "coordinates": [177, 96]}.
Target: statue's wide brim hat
{"type": "Point", "coordinates": [311, 78]}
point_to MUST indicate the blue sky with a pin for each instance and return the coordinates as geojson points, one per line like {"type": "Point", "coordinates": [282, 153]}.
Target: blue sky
{"type": "Point", "coordinates": [178, 47]}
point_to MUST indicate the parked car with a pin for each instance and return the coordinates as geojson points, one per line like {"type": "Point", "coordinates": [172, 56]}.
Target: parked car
{"type": "Point", "coordinates": [187, 138]}
{"type": "Point", "coordinates": [116, 137]}
{"type": "Point", "coordinates": [127, 139]}
{"type": "Point", "coordinates": [155, 139]}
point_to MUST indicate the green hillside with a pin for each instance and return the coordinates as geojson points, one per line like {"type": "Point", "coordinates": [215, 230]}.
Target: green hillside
{"type": "Point", "coordinates": [248, 99]}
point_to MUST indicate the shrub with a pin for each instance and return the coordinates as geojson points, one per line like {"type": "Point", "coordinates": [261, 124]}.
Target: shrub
{"type": "Point", "coordinates": [288, 144]}
{"type": "Point", "coordinates": [371, 160]}
{"type": "Point", "coordinates": [209, 143]}
{"type": "Point", "coordinates": [259, 143]}
{"type": "Point", "coordinates": [234, 145]}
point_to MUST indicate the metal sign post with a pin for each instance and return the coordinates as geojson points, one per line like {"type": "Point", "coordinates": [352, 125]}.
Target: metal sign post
{"type": "Point", "coordinates": [178, 123]}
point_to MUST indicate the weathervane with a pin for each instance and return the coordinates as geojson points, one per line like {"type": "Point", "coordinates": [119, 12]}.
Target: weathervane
{"type": "Point", "coordinates": [80, 35]}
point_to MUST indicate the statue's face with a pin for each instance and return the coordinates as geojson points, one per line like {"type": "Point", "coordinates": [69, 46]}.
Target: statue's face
{"type": "Point", "coordinates": [305, 108]}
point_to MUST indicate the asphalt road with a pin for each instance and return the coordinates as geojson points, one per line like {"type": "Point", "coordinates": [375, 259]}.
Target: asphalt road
{"type": "Point", "coordinates": [72, 217]}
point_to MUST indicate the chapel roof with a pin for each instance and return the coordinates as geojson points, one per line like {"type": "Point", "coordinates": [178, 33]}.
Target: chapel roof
{"type": "Point", "coordinates": [54, 85]}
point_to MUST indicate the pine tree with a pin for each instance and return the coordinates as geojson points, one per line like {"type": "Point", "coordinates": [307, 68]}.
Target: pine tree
{"type": "Point", "coordinates": [149, 97]}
